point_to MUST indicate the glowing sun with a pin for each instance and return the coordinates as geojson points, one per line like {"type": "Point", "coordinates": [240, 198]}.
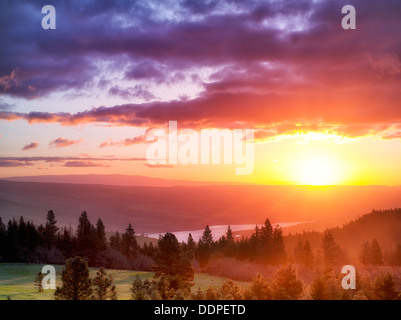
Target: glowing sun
{"type": "Point", "coordinates": [317, 170]}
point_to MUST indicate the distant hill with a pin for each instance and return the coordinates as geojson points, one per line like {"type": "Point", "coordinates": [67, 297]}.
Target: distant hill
{"type": "Point", "coordinates": [384, 226]}
{"type": "Point", "coordinates": [114, 180]}
{"type": "Point", "coordinates": [181, 208]}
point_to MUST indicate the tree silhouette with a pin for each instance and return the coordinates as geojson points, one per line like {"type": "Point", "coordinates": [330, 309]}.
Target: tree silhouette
{"type": "Point", "coordinates": [204, 249]}
{"type": "Point", "coordinates": [129, 245]}
{"type": "Point", "coordinates": [50, 230]}
{"type": "Point", "coordinates": [171, 261]}
{"type": "Point", "coordinates": [101, 242]}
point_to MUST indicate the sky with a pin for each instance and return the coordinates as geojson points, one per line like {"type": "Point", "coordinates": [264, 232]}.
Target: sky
{"type": "Point", "coordinates": [324, 102]}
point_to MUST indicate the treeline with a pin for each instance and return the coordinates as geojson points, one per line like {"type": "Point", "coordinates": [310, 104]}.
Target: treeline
{"type": "Point", "coordinates": [22, 241]}
{"type": "Point", "coordinates": [265, 245]}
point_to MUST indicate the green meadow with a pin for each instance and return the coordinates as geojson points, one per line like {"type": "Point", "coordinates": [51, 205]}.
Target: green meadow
{"type": "Point", "coordinates": [17, 281]}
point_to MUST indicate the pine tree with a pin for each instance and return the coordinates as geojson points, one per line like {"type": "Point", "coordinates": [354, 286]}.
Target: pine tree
{"type": "Point", "coordinates": [76, 281]}
{"type": "Point", "coordinates": [307, 255]}
{"type": "Point", "coordinates": [191, 247]}
{"type": "Point", "coordinates": [318, 289]}
{"type": "Point", "coordinates": [258, 289]}
{"type": "Point", "coordinates": [330, 249]}
{"type": "Point", "coordinates": [385, 287]}
{"type": "Point", "coordinates": [142, 289]}
{"type": "Point", "coordinates": [50, 230]}
{"type": "Point", "coordinates": [22, 233]}
{"type": "Point", "coordinates": [278, 251]}
{"type": "Point", "coordinates": [207, 238]}
{"type": "Point", "coordinates": [103, 287]}
{"type": "Point", "coordinates": [230, 290]}
{"type": "Point", "coordinates": [286, 285]}
{"type": "Point", "coordinates": [265, 243]}
{"type": "Point", "coordinates": [171, 261]}
{"type": "Point", "coordinates": [198, 294]}
{"type": "Point", "coordinates": [85, 235]}
{"type": "Point", "coordinates": [115, 241]}
{"type": "Point", "coordinates": [229, 235]}
{"type": "Point", "coordinates": [38, 282]}
{"type": "Point", "coordinates": [204, 249]}
{"type": "Point", "coordinates": [365, 254]}
{"type": "Point", "coordinates": [129, 245]}
{"type": "Point", "coordinates": [12, 247]}
{"type": "Point", "coordinates": [2, 237]}
{"type": "Point", "coordinates": [101, 242]}
{"type": "Point", "coordinates": [377, 255]}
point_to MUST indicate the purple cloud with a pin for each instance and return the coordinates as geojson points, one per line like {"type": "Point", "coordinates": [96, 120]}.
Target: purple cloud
{"type": "Point", "coordinates": [62, 143]}
{"type": "Point", "coordinates": [31, 145]}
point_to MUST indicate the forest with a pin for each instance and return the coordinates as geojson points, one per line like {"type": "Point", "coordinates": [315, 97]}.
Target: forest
{"type": "Point", "coordinates": [309, 270]}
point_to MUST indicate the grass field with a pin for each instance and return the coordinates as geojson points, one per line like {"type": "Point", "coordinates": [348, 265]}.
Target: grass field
{"type": "Point", "coordinates": [17, 281]}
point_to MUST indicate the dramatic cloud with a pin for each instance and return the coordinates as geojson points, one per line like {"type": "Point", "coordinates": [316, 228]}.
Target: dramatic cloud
{"type": "Point", "coordinates": [32, 145]}
{"type": "Point", "coordinates": [273, 63]}
{"type": "Point", "coordinates": [61, 143]}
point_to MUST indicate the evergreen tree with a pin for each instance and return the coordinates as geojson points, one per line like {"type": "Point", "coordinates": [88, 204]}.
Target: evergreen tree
{"type": "Point", "coordinates": [286, 285]}
{"type": "Point", "coordinates": [115, 241]}
{"type": "Point", "coordinates": [22, 233]}
{"type": "Point", "coordinates": [32, 236]}
{"type": "Point", "coordinates": [265, 243]}
{"type": "Point", "coordinates": [101, 242]}
{"type": "Point", "coordinates": [307, 255]}
{"type": "Point", "coordinates": [3, 236]}
{"type": "Point", "coordinates": [65, 242]}
{"type": "Point", "coordinates": [330, 249]}
{"type": "Point", "coordinates": [385, 287]}
{"type": "Point", "coordinates": [230, 290]}
{"type": "Point", "coordinates": [85, 235]}
{"type": "Point", "coordinates": [318, 289]}
{"type": "Point", "coordinates": [103, 286]}
{"type": "Point", "coordinates": [38, 282]}
{"type": "Point", "coordinates": [365, 254]}
{"type": "Point", "coordinates": [198, 294]}
{"type": "Point", "coordinates": [129, 245]}
{"type": "Point", "coordinates": [142, 289]}
{"type": "Point", "coordinates": [278, 251]}
{"type": "Point", "coordinates": [229, 235]}
{"type": "Point", "coordinates": [12, 247]}
{"type": "Point", "coordinates": [377, 255]}
{"type": "Point", "coordinates": [259, 289]}
{"type": "Point", "coordinates": [204, 249]}
{"type": "Point", "coordinates": [171, 261]}
{"type": "Point", "coordinates": [327, 286]}
{"type": "Point", "coordinates": [190, 247]}
{"type": "Point", "coordinates": [76, 281]}
{"type": "Point", "coordinates": [50, 230]}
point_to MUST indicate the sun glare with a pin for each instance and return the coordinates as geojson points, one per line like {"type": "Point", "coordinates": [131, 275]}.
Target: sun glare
{"type": "Point", "coordinates": [317, 170]}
